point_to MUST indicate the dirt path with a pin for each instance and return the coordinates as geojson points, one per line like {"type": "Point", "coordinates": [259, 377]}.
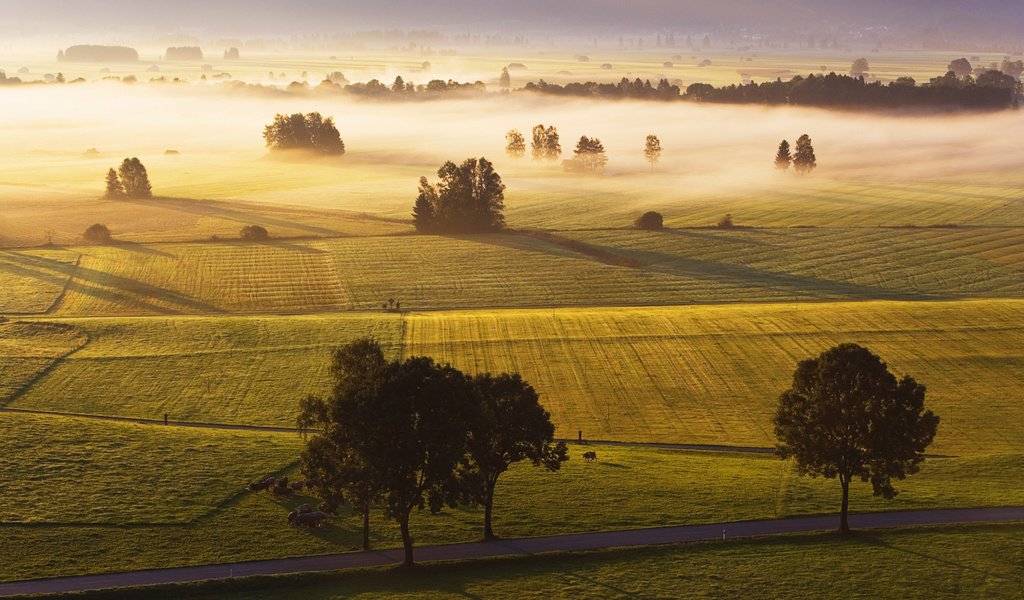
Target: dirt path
{"type": "Point", "coordinates": [522, 546]}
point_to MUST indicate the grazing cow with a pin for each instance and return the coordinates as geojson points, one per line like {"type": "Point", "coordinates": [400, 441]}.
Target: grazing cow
{"type": "Point", "coordinates": [310, 519]}
{"type": "Point", "coordinates": [590, 456]}
{"type": "Point", "coordinates": [297, 485]}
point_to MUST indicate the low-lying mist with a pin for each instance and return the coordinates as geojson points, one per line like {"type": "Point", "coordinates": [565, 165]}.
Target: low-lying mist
{"type": "Point", "coordinates": [707, 149]}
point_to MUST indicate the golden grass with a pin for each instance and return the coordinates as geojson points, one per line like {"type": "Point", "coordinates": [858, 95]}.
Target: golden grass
{"type": "Point", "coordinates": [712, 374]}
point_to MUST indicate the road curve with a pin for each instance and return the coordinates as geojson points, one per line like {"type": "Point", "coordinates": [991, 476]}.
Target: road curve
{"type": "Point", "coordinates": [521, 546]}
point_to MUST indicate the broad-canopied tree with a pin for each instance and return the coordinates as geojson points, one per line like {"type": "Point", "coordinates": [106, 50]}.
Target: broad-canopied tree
{"type": "Point", "coordinates": [134, 178]}
{"type": "Point", "coordinates": [804, 160]}
{"type": "Point", "coordinates": [334, 461]}
{"type": "Point", "coordinates": [468, 198]}
{"type": "Point", "coordinates": [783, 158]}
{"type": "Point", "coordinates": [510, 426]}
{"type": "Point", "coordinates": [961, 67]}
{"type": "Point", "coordinates": [847, 416]}
{"type": "Point", "coordinates": [97, 233]}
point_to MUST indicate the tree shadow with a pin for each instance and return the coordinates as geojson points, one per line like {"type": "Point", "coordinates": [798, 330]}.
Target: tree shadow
{"type": "Point", "coordinates": [875, 539]}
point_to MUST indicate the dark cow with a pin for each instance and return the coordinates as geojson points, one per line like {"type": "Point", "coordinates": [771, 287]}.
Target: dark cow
{"type": "Point", "coordinates": [258, 486]}
{"type": "Point", "coordinates": [590, 456]}
{"type": "Point", "coordinates": [309, 519]}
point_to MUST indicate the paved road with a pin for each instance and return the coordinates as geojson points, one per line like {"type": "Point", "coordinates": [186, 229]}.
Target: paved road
{"type": "Point", "coordinates": [559, 543]}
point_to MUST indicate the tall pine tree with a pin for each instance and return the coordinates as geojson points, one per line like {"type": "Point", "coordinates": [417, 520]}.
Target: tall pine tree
{"type": "Point", "coordinates": [783, 158]}
{"type": "Point", "coordinates": [114, 187]}
{"type": "Point", "coordinates": [804, 160]}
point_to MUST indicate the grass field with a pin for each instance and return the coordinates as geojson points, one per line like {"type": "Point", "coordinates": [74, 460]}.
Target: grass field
{"type": "Point", "coordinates": [27, 350]}
{"type": "Point", "coordinates": [248, 370]}
{"type": "Point", "coordinates": [89, 496]}
{"type": "Point", "coordinates": [507, 270]}
{"type": "Point", "coordinates": [981, 561]}
{"type": "Point", "coordinates": [663, 374]}
{"type": "Point", "coordinates": [713, 374]}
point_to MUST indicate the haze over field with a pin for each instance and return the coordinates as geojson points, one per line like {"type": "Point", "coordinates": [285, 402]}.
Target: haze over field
{"type": "Point", "coordinates": [706, 147]}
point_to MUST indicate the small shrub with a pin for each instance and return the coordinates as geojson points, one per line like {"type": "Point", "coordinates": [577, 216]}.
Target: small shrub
{"type": "Point", "coordinates": [652, 221]}
{"type": "Point", "coordinates": [97, 233]}
{"type": "Point", "coordinates": [726, 222]}
{"type": "Point", "coordinates": [254, 233]}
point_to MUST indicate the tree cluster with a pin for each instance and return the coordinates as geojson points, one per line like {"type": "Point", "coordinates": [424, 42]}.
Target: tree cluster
{"type": "Point", "coordinates": [803, 161]}
{"type": "Point", "coordinates": [130, 180]}
{"type": "Point", "coordinates": [412, 435]}
{"type": "Point", "coordinates": [589, 155]}
{"type": "Point", "coordinates": [545, 144]}
{"type": "Point", "coordinates": [307, 132]}
{"type": "Point", "coordinates": [468, 198]}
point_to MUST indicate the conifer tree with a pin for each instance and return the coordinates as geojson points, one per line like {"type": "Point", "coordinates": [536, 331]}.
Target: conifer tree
{"type": "Point", "coordinates": [783, 158]}
{"type": "Point", "coordinates": [114, 187]}
{"type": "Point", "coordinates": [804, 160]}
{"type": "Point", "coordinates": [423, 214]}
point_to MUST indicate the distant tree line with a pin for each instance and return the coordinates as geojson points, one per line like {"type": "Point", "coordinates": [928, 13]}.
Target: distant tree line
{"type": "Point", "coordinates": [637, 89]}
{"type": "Point", "coordinates": [991, 89]}
{"type": "Point", "coordinates": [304, 132]}
{"type": "Point", "coordinates": [407, 435]}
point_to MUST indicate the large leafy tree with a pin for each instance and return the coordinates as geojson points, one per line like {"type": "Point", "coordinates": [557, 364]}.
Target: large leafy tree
{"type": "Point", "coordinates": [510, 426]}
{"type": "Point", "coordinates": [590, 154]}
{"type": "Point", "coordinates": [847, 417]}
{"type": "Point", "coordinates": [418, 437]}
{"type": "Point", "coordinates": [783, 158]}
{"type": "Point", "coordinates": [134, 178]}
{"type": "Point", "coordinates": [804, 160]}
{"type": "Point", "coordinates": [468, 198]}
{"type": "Point", "coordinates": [652, 150]}
{"type": "Point", "coordinates": [334, 461]}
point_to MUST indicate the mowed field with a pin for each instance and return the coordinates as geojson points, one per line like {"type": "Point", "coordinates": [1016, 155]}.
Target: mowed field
{"type": "Point", "coordinates": [82, 495]}
{"type": "Point", "coordinates": [617, 267]}
{"type": "Point", "coordinates": [692, 375]}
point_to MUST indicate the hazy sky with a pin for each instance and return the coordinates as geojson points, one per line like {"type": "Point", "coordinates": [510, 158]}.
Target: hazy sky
{"type": "Point", "coordinates": [275, 16]}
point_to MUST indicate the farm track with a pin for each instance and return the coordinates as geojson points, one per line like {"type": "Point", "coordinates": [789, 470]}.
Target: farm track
{"type": "Point", "coordinates": [513, 547]}
{"type": "Point", "coordinates": [292, 430]}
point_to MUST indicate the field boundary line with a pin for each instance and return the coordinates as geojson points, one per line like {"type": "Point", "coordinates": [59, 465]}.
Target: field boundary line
{"type": "Point", "coordinates": [630, 538]}
{"type": "Point", "coordinates": [722, 448]}
{"type": "Point", "coordinates": [50, 368]}
{"type": "Point", "coordinates": [64, 291]}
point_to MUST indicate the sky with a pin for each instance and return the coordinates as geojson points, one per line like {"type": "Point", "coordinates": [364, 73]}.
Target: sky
{"type": "Point", "coordinates": [296, 16]}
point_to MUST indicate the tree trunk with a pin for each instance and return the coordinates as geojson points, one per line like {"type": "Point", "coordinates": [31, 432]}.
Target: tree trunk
{"type": "Point", "coordinates": [488, 509]}
{"type": "Point", "coordinates": [844, 523]}
{"type": "Point", "coordinates": [366, 526]}
{"type": "Point", "coordinates": [406, 540]}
